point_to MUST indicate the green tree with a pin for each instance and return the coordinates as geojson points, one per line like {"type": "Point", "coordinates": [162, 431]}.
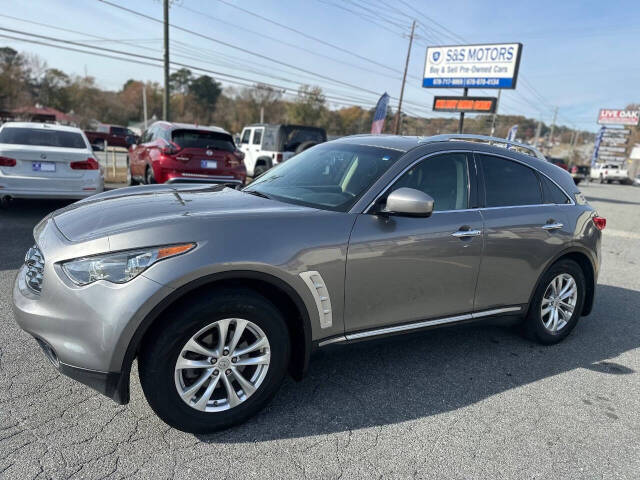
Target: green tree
{"type": "Point", "coordinates": [180, 81]}
{"type": "Point", "coordinates": [308, 107]}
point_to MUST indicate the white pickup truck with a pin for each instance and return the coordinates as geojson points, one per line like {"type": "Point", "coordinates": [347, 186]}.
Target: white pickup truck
{"type": "Point", "coordinates": [609, 172]}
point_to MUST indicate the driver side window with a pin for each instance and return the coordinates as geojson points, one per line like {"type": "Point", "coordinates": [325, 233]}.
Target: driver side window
{"type": "Point", "coordinates": [444, 177]}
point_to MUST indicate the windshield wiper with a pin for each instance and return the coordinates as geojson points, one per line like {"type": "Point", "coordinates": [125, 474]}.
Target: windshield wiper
{"type": "Point", "coordinates": [257, 194]}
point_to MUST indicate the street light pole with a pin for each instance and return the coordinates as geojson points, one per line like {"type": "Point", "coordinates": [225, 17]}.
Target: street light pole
{"type": "Point", "coordinates": [396, 128]}
{"type": "Point", "coordinates": [166, 94]}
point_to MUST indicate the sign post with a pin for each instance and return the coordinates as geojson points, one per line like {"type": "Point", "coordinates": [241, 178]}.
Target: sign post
{"type": "Point", "coordinates": [472, 66]}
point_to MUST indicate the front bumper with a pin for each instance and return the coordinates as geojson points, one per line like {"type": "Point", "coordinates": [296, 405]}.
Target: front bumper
{"type": "Point", "coordinates": [88, 328]}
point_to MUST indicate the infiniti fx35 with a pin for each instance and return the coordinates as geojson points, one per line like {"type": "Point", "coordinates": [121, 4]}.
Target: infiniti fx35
{"type": "Point", "coordinates": [219, 293]}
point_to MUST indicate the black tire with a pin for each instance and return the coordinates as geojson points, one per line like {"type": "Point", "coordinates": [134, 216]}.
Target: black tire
{"type": "Point", "coordinates": [533, 325]}
{"type": "Point", "coordinates": [305, 145]}
{"type": "Point", "coordinates": [577, 181]}
{"type": "Point", "coordinates": [130, 180]}
{"type": "Point", "coordinates": [161, 349]}
{"type": "Point", "coordinates": [259, 170]}
{"type": "Point", "coordinates": [149, 177]}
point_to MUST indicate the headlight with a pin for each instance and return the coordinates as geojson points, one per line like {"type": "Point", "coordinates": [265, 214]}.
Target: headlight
{"type": "Point", "coordinates": [119, 267]}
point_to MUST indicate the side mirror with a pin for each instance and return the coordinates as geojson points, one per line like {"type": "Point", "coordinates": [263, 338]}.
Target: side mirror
{"type": "Point", "coordinates": [409, 202]}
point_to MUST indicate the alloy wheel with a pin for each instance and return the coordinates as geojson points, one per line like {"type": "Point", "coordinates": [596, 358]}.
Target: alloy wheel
{"type": "Point", "coordinates": [222, 365]}
{"type": "Point", "coordinates": [559, 302]}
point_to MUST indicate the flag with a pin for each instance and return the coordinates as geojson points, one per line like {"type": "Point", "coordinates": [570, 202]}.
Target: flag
{"type": "Point", "coordinates": [380, 115]}
{"type": "Point", "coordinates": [596, 147]}
{"type": "Point", "coordinates": [511, 136]}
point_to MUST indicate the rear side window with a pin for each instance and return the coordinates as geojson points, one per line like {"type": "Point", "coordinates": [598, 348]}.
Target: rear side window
{"type": "Point", "coordinates": [39, 137]}
{"type": "Point", "coordinates": [203, 139]}
{"type": "Point", "coordinates": [119, 131]}
{"type": "Point", "coordinates": [269, 139]}
{"type": "Point", "coordinates": [509, 183]}
{"type": "Point", "coordinates": [551, 192]}
{"type": "Point", "coordinates": [257, 136]}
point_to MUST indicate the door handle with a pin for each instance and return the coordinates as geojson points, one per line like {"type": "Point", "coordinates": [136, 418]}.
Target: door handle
{"type": "Point", "coordinates": [466, 233]}
{"type": "Point", "coordinates": [553, 226]}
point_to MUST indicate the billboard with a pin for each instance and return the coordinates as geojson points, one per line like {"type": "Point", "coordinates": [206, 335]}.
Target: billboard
{"type": "Point", "coordinates": [618, 117]}
{"type": "Point", "coordinates": [465, 104]}
{"type": "Point", "coordinates": [472, 66]}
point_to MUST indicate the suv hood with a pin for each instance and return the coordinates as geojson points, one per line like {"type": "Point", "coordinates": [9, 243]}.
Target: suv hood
{"type": "Point", "coordinates": [135, 208]}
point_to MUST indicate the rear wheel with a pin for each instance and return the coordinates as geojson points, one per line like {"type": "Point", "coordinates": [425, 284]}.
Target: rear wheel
{"type": "Point", "coordinates": [557, 303]}
{"type": "Point", "coordinates": [149, 177]}
{"type": "Point", "coordinates": [215, 362]}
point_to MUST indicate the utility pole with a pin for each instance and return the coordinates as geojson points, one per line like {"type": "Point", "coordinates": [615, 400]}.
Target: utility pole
{"type": "Point", "coordinates": [261, 114]}
{"type": "Point", "coordinates": [396, 128]}
{"type": "Point", "coordinates": [495, 114]}
{"type": "Point", "coordinates": [538, 130]}
{"type": "Point", "coordinates": [553, 127]}
{"type": "Point", "coordinates": [144, 104]}
{"type": "Point", "coordinates": [166, 93]}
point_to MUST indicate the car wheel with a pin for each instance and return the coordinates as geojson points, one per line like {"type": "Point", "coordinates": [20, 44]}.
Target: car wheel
{"type": "Point", "coordinates": [215, 362]}
{"type": "Point", "coordinates": [259, 170]}
{"type": "Point", "coordinates": [130, 180]}
{"type": "Point", "coordinates": [149, 177]}
{"type": "Point", "coordinates": [557, 303]}
{"type": "Point", "coordinates": [576, 181]}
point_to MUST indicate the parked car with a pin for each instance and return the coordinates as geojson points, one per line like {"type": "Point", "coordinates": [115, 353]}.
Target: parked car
{"type": "Point", "coordinates": [265, 145]}
{"type": "Point", "coordinates": [559, 162]}
{"type": "Point", "coordinates": [185, 153]}
{"type": "Point", "coordinates": [636, 181]}
{"type": "Point", "coordinates": [610, 172]}
{"type": "Point", "coordinates": [359, 238]}
{"type": "Point", "coordinates": [44, 160]}
{"type": "Point", "coordinates": [114, 135]}
{"type": "Point", "coordinates": [579, 173]}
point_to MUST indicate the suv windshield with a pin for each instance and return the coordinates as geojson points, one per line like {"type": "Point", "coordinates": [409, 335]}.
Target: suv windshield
{"type": "Point", "coordinates": [39, 137]}
{"type": "Point", "coordinates": [330, 176]}
{"type": "Point", "coordinates": [203, 139]}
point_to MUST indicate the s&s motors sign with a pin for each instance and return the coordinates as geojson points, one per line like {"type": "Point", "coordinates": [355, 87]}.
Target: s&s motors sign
{"type": "Point", "coordinates": [618, 117]}
{"type": "Point", "coordinates": [472, 66]}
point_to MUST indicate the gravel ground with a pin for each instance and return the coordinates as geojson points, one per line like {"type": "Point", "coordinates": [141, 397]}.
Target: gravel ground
{"type": "Point", "coordinates": [469, 402]}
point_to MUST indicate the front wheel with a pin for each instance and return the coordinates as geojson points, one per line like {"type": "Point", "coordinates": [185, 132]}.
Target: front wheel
{"type": "Point", "coordinates": [149, 177]}
{"type": "Point", "coordinates": [215, 362]}
{"type": "Point", "coordinates": [557, 303]}
{"type": "Point", "coordinates": [130, 180]}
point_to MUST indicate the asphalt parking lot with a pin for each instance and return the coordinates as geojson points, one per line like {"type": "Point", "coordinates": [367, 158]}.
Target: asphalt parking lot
{"type": "Point", "coordinates": [465, 403]}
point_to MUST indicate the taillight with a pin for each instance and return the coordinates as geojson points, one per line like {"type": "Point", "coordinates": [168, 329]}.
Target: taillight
{"type": "Point", "coordinates": [7, 162]}
{"type": "Point", "coordinates": [235, 159]}
{"type": "Point", "coordinates": [88, 164]}
{"type": "Point", "coordinates": [600, 222]}
{"type": "Point", "coordinates": [278, 157]}
{"type": "Point", "coordinates": [171, 148]}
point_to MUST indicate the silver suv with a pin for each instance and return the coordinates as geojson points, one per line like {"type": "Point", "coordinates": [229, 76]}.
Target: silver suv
{"type": "Point", "coordinates": [358, 238]}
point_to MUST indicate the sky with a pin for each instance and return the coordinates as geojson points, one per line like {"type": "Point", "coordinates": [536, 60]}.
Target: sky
{"type": "Point", "coordinates": [578, 56]}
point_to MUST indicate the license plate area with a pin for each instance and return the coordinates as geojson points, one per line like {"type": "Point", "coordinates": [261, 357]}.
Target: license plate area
{"type": "Point", "coordinates": [210, 164]}
{"type": "Point", "coordinates": [43, 166]}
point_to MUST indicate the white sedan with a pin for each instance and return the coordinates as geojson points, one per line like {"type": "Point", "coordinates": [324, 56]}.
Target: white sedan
{"type": "Point", "coordinates": [41, 160]}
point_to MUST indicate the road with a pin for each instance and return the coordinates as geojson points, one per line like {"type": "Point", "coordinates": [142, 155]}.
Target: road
{"type": "Point", "coordinates": [465, 403]}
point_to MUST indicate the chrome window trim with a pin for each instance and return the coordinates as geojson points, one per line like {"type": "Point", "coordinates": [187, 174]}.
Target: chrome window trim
{"type": "Point", "coordinates": [411, 165]}
{"type": "Point", "coordinates": [476, 152]}
{"type": "Point", "coordinates": [417, 325]}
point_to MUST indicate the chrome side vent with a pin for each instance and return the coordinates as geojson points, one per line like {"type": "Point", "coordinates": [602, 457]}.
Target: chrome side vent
{"type": "Point", "coordinates": [34, 260]}
{"type": "Point", "coordinates": [321, 295]}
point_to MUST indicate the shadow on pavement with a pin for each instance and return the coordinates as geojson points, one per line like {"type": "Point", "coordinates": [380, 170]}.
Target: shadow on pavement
{"type": "Point", "coordinates": [16, 228]}
{"type": "Point", "coordinates": [413, 376]}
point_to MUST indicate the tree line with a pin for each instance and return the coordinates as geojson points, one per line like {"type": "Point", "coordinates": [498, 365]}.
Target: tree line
{"type": "Point", "coordinates": [27, 80]}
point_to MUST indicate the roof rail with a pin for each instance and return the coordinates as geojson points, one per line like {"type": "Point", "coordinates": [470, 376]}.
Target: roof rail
{"type": "Point", "coordinates": [501, 142]}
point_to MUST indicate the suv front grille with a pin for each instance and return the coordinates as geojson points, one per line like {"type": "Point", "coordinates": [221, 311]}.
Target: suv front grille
{"type": "Point", "coordinates": [34, 260]}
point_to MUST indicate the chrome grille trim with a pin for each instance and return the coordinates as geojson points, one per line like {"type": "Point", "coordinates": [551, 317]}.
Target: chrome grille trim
{"type": "Point", "coordinates": [34, 261]}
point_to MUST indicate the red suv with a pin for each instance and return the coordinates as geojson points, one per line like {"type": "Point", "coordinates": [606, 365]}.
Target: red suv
{"type": "Point", "coordinates": [180, 153]}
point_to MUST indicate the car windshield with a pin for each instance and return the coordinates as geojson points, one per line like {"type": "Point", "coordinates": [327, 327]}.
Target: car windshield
{"type": "Point", "coordinates": [331, 176]}
{"type": "Point", "coordinates": [203, 139]}
{"type": "Point", "coordinates": [39, 137]}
